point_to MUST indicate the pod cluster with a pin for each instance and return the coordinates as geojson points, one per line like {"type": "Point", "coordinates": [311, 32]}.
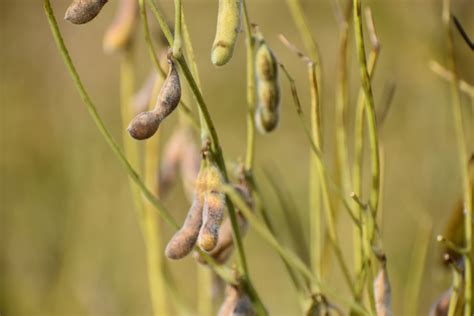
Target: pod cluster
{"type": "Point", "coordinates": [83, 11]}
{"type": "Point", "coordinates": [236, 303]}
{"type": "Point", "coordinates": [204, 218]}
{"type": "Point", "coordinates": [145, 124]}
{"type": "Point", "coordinates": [227, 31]}
{"type": "Point", "coordinates": [267, 113]}
{"type": "Point", "coordinates": [225, 245]}
{"type": "Point", "coordinates": [119, 34]}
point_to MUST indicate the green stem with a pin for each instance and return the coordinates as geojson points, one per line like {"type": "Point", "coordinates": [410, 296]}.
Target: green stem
{"type": "Point", "coordinates": [288, 255]}
{"type": "Point", "coordinates": [177, 29]}
{"type": "Point", "coordinates": [463, 160]}
{"type": "Point", "coordinates": [315, 186]}
{"type": "Point", "coordinates": [417, 265]}
{"type": "Point", "coordinates": [250, 50]}
{"type": "Point", "coordinates": [370, 108]}
{"type": "Point", "coordinates": [358, 164]}
{"type": "Point", "coordinates": [323, 177]}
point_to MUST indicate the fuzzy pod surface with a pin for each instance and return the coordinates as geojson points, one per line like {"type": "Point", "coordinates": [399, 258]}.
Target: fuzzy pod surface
{"type": "Point", "coordinates": [184, 239]}
{"type": "Point", "coordinates": [83, 11]}
{"type": "Point", "coordinates": [213, 213]}
{"type": "Point", "coordinates": [119, 34]}
{"type": "Point", "coordinates": [145, 124]}
{"type": "Point", "coordinates": [227, 31]}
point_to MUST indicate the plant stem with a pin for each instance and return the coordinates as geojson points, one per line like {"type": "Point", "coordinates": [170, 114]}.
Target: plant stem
{"type": "Point", "coordinates": [315, 187]}
{"type": "Point", "coordinates": [359, 162]}
{"type": "Point", "coordinates": [208, 131]}
{"type": "Point", "coordinates": [288, 255]}
{"type": "Point", "coordinates": [369, 107]}
{"type": "Point", "coordinates": [250, 50]}
{"type": "Point", "coordinates": [417, 265]}
{"type": "Point", "coordinates": [463, 159]}
{"type": "Point", "coordinates": [177, 29]}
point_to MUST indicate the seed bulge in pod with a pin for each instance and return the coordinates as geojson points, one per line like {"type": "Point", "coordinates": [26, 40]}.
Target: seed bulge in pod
{"type": "Point", "coordinates": [184, 239]}
{"type": "Point", "coordinates": [266, 65]}
{"type": "Point", "coordinates": [214, 205]}
{"type": "Point", "coordinates": [82, 11]}
{"type": "Point", "coordinates": [268, 95]}
{"type": "Point", "coordinates": [266, 121]}
{"type": "Point", "coordinates": [170, 93]}
{"type": "Point", "coordinates": [144, 125]}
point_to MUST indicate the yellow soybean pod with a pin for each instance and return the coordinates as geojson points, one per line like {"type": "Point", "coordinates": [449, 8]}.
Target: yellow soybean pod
{"type": "Point", "coordinates": [227, 31]}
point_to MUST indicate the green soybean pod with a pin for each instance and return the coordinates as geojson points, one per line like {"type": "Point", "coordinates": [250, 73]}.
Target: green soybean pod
{"type": "Point", "coordinates": [267, 113]}
{"type": "Point", "coordinates": [227, 31]}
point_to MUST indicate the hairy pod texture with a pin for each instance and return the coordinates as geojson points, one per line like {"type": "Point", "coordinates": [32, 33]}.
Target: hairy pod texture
{"type": "Point", "coordinates": [227, 31]}
{"type": "Point", "coordinates": [268, 89]}
{"type": "Point", "coordinates": [119, 34]}
{"type": "Point", "coordinates": [184, 239]}
{"type": "Point", "coordinates": [145, 124]}
{"type": "Point", "coordinates": [383, 293]}
{"type": "Point", "coordinates": [204, 218]}
{"type": "Point", "coordinates": [225, 244]}
{"type": "Point", "coordinates": [214, 205]}
{"type": "Point", "coordinates": [236, 303]}
{"type": "Point", "coordinates": [83, 11]}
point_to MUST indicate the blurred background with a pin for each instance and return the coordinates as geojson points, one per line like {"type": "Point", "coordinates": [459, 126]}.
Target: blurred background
{"type": "Point", "coordinates": [69, 240]}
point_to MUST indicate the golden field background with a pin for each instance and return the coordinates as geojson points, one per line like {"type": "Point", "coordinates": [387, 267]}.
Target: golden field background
{"type": "Point", "coordinates": [69, 239]}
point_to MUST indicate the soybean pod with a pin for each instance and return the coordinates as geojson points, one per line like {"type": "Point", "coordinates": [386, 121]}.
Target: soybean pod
{"type": "Point", "coordinates": [227, 31]}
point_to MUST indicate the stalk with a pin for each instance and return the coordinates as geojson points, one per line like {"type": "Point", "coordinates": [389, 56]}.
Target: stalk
{"type": "Point", "coordinates": [463, 159]}
{"type": "Point", "coordinates": [369, 108]}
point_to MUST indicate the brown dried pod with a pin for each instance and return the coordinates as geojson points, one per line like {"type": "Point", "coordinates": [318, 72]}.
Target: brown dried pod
{"type": "Point", "coordinates": [382, 292]}
{"type": "Point", "coordinates": [141, 99]}
{"type": "Point", "coordinates": [145, 124]}
{"type": "Point", "coordinates": [82, 11]}
{"type": "Point", "coordinates": [184, 240]}
{"type": "Point", "coordinates": [214, 206]}
{"type": "Point", "coordinates": [225, 244]}
{"type": "Point", "coordinates": [119, 33]}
